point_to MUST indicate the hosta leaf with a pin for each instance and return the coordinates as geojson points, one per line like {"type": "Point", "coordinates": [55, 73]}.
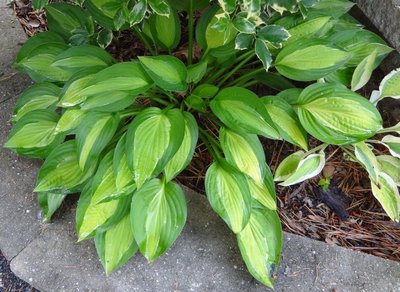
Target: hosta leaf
{"type": "Point", "coordinates": [70, 119]}
{"type": "Point", "coordinates": [389, 86]}
{"type": "Point", "coordinates": [167, 72]}
{"type": "Point", "coordinates": [395, 129]}
{"type": "Point", "coordinates": [95, 212]}
{"type": "Point", "coordinates": [273, 80]}
{"type": "Point", "coordinates": [229, 195]}
{"type": "Point", "coordinates": [307, 29]}
{"type": "Point", "coordinates": [126, 76]}
{"type": "Point", "coordinates": [116, 245]}
{"type": "Point", "coordinates": [363, 72]}
{"type": "Point", "coordinates": [164, 131]}
{"type": "Point", "coordinates": [387, 193]}
{"type": "Point", "coordinates": [262, 193]}
{"type": "Point", "coordinates": [166, 30]}
{"type": "Point", "coordinates": [367, 158]}
{"type": "Point", "coordinates": [390, 165]}
{"type": "Point", "coordinates": [336, 115]}
{"type": "Point", "coordinates": [76, 58]}
{"type": "Point", "coordinates": [64, 18]}
{"type": "Point", "coordinates": [242, 110]}
{"type": "Point", "coordinates": [61, 172]}
{"type": "Point", "coordinates": [306, 60]}
{"type": "Point", "coordinates": [49, 203]}
{"type": "Point", "coordinates": [393, 144]}
{"type": "Point", "coordinates": [158, 214]}
{"type": "Point", "coordinates": [308, 167]}
{"type": "Point", "coordinates": [123, 174]}
{"type": "Point", "coordinates": [184, 155]}
{"type": "Point", "coordinates": [215, 38]}
{"type": "Point", "coordinates": [286, 121]}
{"type": "Point", "coordinates": [196, 72]}
{"type": "Point", "coordinates": [71, 92]}
{"type": "Point", "coordinates": [92, 136]}
{"type": "Point", "coordinates": [109, 101]}
{"type": "Point", "coordinates": [33, 135]}
{"type": "Point", "coordinates": [288, 166]}
{"type": "Point", "coordinates": [103, 11]}
{"type": "Point", "coordinates": [38, 96]}
{"type": "Point", "coordinates": [160, 7]}
{"type": "Point", "coordinates": [245, 152]}
{"type": "Point", "coordinates": [334, 8]}
{"type": "Point", "coordinates": [260, 244]}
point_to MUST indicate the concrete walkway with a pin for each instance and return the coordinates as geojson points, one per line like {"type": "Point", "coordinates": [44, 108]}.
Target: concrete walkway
{"type": "Point", "coordinates": [204, 258]}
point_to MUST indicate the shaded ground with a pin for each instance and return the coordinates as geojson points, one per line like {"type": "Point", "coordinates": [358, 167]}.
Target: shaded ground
{"type": "Point", "coordinates": [9, 282]}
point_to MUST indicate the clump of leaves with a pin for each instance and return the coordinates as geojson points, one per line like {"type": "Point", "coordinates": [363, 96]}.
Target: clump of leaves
{"type": "Point", "coordinates": [119, 133]}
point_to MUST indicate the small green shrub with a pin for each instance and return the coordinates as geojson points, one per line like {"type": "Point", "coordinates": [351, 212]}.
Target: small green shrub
{"type": "Point", "coordinates": [120, 132]}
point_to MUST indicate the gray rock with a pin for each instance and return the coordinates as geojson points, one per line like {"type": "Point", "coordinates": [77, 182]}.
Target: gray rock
{"type": "Point", "coordinates": [385, 15]}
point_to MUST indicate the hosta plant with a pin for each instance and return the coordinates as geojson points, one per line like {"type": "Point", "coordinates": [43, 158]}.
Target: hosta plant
{"type": "Point", "coordinates": [119, 133]}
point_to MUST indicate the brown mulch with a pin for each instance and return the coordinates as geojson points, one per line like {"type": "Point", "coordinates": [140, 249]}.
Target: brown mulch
{"type": "Point", "coordinates": [351, 217]}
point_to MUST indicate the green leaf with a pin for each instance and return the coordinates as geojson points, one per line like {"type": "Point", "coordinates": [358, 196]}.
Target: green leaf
{"type": "Point", "coordinates": [215, 38]}
{"type": "Point", "coordinates": [286, 121]}
{"type": "Point", "coordinates": [395, 129]}
{"type": "Point", "coordinates": [273, 33]}
{"type": "Point", "coordinates": [108, 102]}
{"type": "Point", "coordinates": [104, 11]}
{"type": "Point", "coordinates": [104, 38]}
{"type": "Point", "coordinates": [33, 135]}
{"type": "Point", "coordinates": [260, 244]}
{"type": "Point", "coordinates": [116, 245]}
{"type": "Point", "coordinates": [282, 5]}
{"type": "Point", "coordinates": [184, 155]}
{"type": "Point", "coordinates": [70, 120]}
{"type": "Point", "coordinates": [334, 8]}
{"type": "Point", "coordinates": [245, 152]}
{"type": "Point", "coordinates": [92, 136]}
{"type": "Point", "coordinates": [38, 96]}
{"type": "Point", "coordinates": [61, 172]}
{"type": "Point", "coordinates": [160, 7]}
{"type": "Point", "coordinates": [306, 60]}
{"type": "Point", "coordinates": [263, 53]}
{"type": "Point", "coordinates": [363, 72]}
{"type": "Point", "coordinates": [263, 193]}
{"type": "Point", "coordinates": [288, 166]}
{"type": "Point", "coordinates": [206, 90]}
{"type": "Point", "coordinates": [76, 58]}
{"type": "Point", "coordinates": [389, 86]}
{"type": "Point", "coordinates": [167, 72]}
{"type": "Point", "coordinates": [242, 110]}
{"type": "Point", "coordinates": [166, 30]}
{"type": "Point", "coordinates": [229, 195]}
{"type": "Point", "coordinates": [164, 131]}
{"type": "Point", "coordinates": [243, 41]}
{"type": "Point", "coordinates": [273, 80]}
{"type": "Point", "coordinates": [123, 174]}
{"type": "Point", "coordinates": [39, 4]}
{"type": "Point", "coordinates": [307, 29]}
{"type": "Point", "coordinates": [387, 193]}
{"type": "Point", "coordinates": [335, 115]}
{"type": "Point", "coordinates": [49, 204]}
{"type": "Point", "coordinates": [244, 24]}
{"type": "Point", "coordinates": [390, 165]}
{"type": "Point", "coordinates": [158, 215]}
{"type": "Point", "coordinates": [307, 168]}
{"type": "Point", "coordinates": [64, 18]}
{"type": "Point", "coordinates": [367, 158]}
{"type": "Point", "coordinates": [196, 72]}
{"type": "Point", "coordinates": [393, 144]}
{"type": "Point", "coordinates": [138, 12]}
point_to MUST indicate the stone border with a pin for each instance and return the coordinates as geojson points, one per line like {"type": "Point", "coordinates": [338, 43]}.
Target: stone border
{"type": "Point", "coordinates": [204, 258]}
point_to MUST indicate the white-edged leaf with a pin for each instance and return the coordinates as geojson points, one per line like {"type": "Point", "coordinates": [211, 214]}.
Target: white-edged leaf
{"type": "Point", "coordinates": [387, 193]}
{"type": "Point", "coordinates": [288, 166]}
{"type": "Point", "coordinates": [158, 215]}
{"type": "Point", "coordinates": [391, 166]}
{"type": "Point", "coordinates": [363, 72]}
{"type": "Point", "coordinates": [395, 129]}
{"type": "Point", "coordinates": [260, 244]}
{"type": "Point", "coordinates": [390, 85]}
{"type": "Point", "coordinates": [69, 120]}
{"type": "Point", "coordinates": [307, 168]}
{"type": "Point", "coordinates": [229, 195]}
{"type": "Point", "coordinates": [367, 158]}
{"type": "Point", "coordinates": [393, 144]}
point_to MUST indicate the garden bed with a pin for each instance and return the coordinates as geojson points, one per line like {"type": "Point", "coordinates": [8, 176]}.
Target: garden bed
{"type": "Point", "coordinates": [352, 218]}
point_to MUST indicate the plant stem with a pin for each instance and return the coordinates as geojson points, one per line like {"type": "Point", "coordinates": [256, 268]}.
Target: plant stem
{"type": "Point", "coordinates": [190, 47]}
{"type": "Point", "coordinates": [210, 144]}
{"type": "Point", "coordinates": [320, 147]}
{"type": "Point", "coordinates": [144, 40]}
{"type": "Point", "coordinates": [238, 66]}
{"type": "Point", "coordinates": [245, 77]}
{"type": "Point", "coordinates": [248, 84]}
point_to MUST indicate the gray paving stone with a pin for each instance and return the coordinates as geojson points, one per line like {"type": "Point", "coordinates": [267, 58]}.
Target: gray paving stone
{"type": "Point", "coordinates": [19, 224]}
{"type": "Point", "coordinates": [204, 258]}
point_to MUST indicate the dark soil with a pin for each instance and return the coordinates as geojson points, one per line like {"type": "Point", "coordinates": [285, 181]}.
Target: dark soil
{"type": "Point", "coordinates": [9, 282]}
